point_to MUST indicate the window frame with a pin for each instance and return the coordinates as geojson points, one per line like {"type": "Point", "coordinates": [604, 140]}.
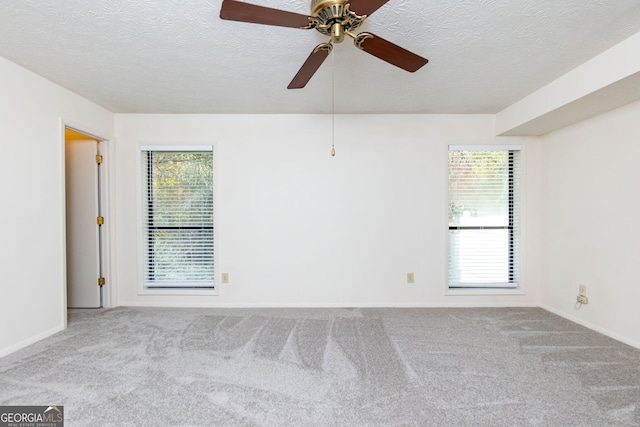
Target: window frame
{"type": "Point", "coordinates": [515, 286]}
{"type": "Point", "coordinates": [143, 289]}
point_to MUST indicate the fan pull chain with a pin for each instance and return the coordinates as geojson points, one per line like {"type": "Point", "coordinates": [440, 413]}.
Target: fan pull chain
{"type": "Point", "coordinates": [333, 104]}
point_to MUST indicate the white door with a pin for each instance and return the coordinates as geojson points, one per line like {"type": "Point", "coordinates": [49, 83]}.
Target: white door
{"type": "Point", "coordinates": [83, 233]}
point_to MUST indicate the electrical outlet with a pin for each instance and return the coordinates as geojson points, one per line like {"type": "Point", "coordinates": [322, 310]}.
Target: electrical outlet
{"type": "Point", "coordinates": [582, 299]}
{"type": "Point", "coordinates": [225, 277]}
{"type": "Point", "coordinates": [582, 290]}
{"type": "Point", "coordinates": [410, 278]}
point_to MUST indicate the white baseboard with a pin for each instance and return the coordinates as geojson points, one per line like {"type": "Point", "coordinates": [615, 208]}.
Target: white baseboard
{"type": "Point", "coordinates": [594, 327]}
{"type": "Point", "coordinates": [316, 305]}
{"type": "Point", "coordinates": [30, 340]}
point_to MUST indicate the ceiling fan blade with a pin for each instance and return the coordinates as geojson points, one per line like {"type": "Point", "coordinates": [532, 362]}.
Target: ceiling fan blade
{"type": "Point", "coordinates": [366, 7]}
{"type": "Point", "coordinates": [389, 52]}
{"type": "Point", "coordinates": [310, 66]}
{"type": "Point", "coordinates": [246, 12]}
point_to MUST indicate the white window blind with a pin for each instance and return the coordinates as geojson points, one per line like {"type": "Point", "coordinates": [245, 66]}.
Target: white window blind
{"type": "Point", "coordinates": [178, 217]}
{"type": "Point", "coordinates": [484, 216]}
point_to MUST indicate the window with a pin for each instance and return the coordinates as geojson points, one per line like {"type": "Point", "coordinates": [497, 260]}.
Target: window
{"type": "Point", "coordinates": [484, 216]}
{"type": "Point", "coordinates": [177, 217]}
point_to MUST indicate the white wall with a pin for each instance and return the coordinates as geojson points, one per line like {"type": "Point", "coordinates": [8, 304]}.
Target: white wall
{"type": "Point", "coordinates": [591, 226]}
{"type": "Point", "coordinates": [296, 227]}
{"type": "Point", "coordinates": [32, 286]}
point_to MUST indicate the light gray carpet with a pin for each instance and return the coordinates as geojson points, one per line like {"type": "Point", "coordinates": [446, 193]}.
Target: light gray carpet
{"type": "Point", "coordinates": [327, 367]}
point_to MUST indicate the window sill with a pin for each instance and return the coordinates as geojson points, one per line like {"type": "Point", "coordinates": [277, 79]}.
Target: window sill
{"type": "Point", "coordinates": [484, 291]}
{"type": "Point", "coordinates": [179, 291]}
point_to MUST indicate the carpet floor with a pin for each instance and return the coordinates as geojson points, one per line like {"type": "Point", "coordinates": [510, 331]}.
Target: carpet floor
{"type": "Point", "coordinates": [327, 367]}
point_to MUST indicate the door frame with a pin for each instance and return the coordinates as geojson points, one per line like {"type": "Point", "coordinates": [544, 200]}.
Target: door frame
{"type": "Point", "coordinates": [109, 290]}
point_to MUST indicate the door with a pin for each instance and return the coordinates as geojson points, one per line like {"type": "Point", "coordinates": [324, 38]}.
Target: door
{"type": "Point", "coordinates": [83, 231]}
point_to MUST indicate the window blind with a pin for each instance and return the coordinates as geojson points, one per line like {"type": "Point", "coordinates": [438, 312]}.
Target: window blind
{"type": "Point", "coordinates": [484, 217]}
{"type": "Point", "coordinates": [178, 218]}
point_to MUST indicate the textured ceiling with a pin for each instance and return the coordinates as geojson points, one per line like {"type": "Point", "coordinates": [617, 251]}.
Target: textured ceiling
{"type": "Point", "coordinates": [176, 56]}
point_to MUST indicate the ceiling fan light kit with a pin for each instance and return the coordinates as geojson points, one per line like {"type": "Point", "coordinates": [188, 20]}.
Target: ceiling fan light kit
{"type": "Point", "coordinates": [332, 18]}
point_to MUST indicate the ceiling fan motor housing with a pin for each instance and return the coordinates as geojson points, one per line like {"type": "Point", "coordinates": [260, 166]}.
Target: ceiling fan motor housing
{"type": "Point", "coordinates": [333, 18]}
{"type": "Point", "coordinates": [335, 6]}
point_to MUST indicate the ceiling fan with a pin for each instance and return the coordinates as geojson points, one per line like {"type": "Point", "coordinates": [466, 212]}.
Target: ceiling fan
{"type": "Point", "coordinates": [333, 18]}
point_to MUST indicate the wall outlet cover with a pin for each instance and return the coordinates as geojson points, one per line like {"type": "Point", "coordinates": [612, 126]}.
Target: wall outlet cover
{"type": "Point", "coordinates": [582, 290]}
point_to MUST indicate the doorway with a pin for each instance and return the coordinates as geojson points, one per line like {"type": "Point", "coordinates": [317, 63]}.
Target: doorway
{"type": "Point", "coordinates": [84, 220]}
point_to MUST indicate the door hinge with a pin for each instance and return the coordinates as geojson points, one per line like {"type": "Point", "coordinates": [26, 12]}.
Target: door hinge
{"type": "Point", "coordinates": [100, 220]}
{"type": "Point", "coordinates": [101, 281]}
{"type": "Point", "coordinates": [99, 159]}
